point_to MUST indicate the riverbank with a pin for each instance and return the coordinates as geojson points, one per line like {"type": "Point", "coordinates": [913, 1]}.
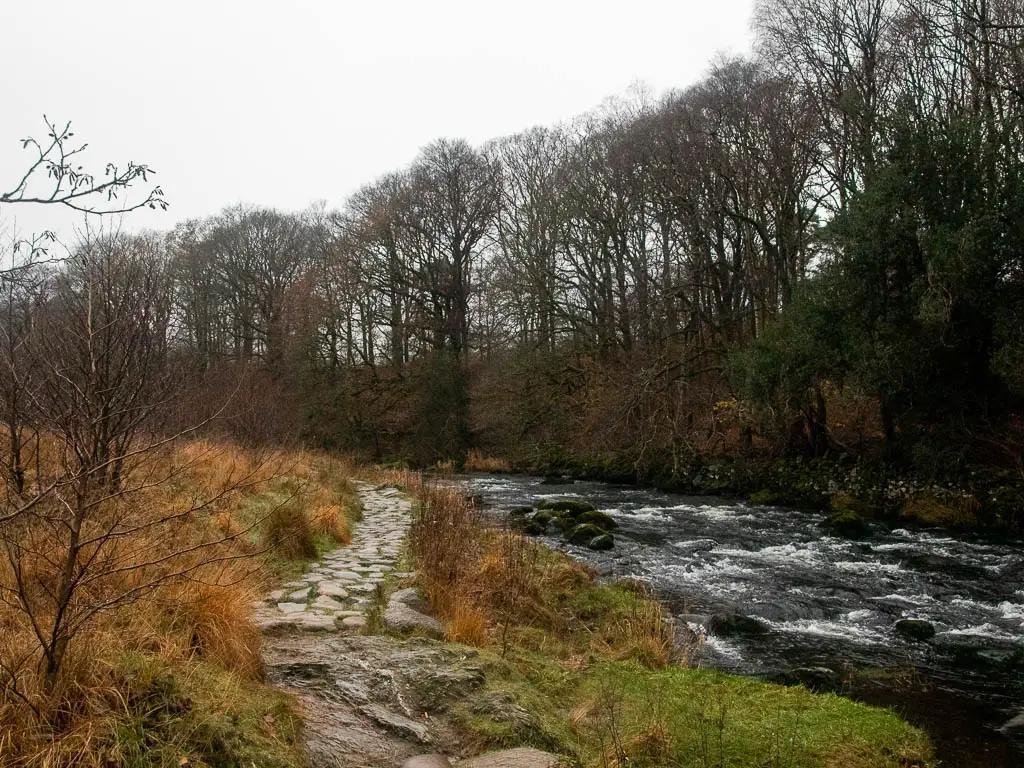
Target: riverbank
{"type": "Point", "coordinates": [827, 605]}
{"type": "Point", "coordinates": [594, 669]}
{"type": "Point", "coordinates": [979, 499]}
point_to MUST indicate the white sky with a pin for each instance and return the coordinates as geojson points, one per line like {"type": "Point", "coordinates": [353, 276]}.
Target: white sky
{"type": "Point", "coordinates": [287, 102]}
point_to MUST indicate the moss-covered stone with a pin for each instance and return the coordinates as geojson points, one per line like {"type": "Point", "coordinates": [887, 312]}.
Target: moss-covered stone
{"type": "Point", "coordinates": [600, 519]}
{"type": "Point", "coordinates": [563, 522]}
{"type": "Point", "coordinates": [849, 525]}
{"type": "Point", "coordinates": [520, 511]}
{"type": "Point", "coordinates": [582, 535]}
{"type": "Point", "coordinates": [764, 496]}
{"type": "Point", "coordinates": [570, 507]}
{"type": "Point", "coordinates": [602, 542]}
{"type": "Point", "coordinates": [916, 629]}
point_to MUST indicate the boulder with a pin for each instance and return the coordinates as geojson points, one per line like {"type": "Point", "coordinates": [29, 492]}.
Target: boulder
{"type": "Point", "coordinates": [534, 528]}
{"type": "Point", "coordinates": [513, 758]}
{"type": "Point", "coordinates": [520, 511]}
{"type": "Point", "coordinates": [427, 761]}
{"type": "Point", "coordinates": [847, 524]}
{"type": "Point", "coordinates": [730, 624]}
{"type": "Point", "coordinates": [399, 617]}
{"type": "Point", "coordinates": [411, 597]}
{"type": "Point", "coordinates": [582, 535]}
{"type": "Point", "coordinates": [600, 519]}
{"type": "Point", "coordinates": [1014, 727]}
{"type": "Point", "coordinates": [570, 507]}
{"type": "Point", "coordinates": [916, 629]}
{"type": "Point", "coordinates": [602, 542]}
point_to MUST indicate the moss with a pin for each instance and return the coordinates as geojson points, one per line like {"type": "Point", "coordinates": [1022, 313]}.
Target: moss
{"type": "Point", "coordinates": [570, 507]}
{"type": "Point", "coordinates": [582, 535]}
{"type": "Point", "coordinates": [600, 519]}
{"type": "Point", "coordinates": [764, 496]}
{"type": "Point", "coordinates": [601, 543]}
{"type": "Point", "coordinates": [957, 512]}
{"type": "Point", "coordinates": [847, 524]}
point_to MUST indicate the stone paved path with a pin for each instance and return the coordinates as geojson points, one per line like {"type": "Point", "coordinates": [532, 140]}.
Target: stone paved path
{"type": "Point", "coordinates": [336, 593]}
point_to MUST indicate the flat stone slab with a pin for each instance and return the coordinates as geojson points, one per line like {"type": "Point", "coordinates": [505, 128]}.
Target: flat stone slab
{"type": "Point", "coordinates": [401, 618]}
{"type": "Point", "coordinates": [427, 761]}
{"type": "Point", "coordinates": [397, 723]}
{"type": "Point", "coordinates": [325, 603]}
{"type": "Point", "coordinates": [513, 758]}
{"type": "Point", "coordinates": [330, 589]}
{"type": "Point", "coordinates": [354, 622]}
{"type": "Point", "coordinates": [299, 596]}
{"type": "Point", "coordinates": [291, 607]}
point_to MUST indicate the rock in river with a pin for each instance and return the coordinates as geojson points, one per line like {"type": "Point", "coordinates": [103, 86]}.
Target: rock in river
{"type": "Point", "coordinates": [728, 624]}
{"type": "Point", "coordinates": [916, 629]}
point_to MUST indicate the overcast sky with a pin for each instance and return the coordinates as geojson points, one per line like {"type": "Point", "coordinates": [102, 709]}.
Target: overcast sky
{"type": "Point", "coordinates": [287, 102]}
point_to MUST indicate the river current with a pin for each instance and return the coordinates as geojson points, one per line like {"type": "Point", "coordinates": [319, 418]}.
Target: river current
{"type": "Point", "coordinates": [827, 601]}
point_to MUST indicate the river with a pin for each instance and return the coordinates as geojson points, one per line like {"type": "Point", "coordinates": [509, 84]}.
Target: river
{"type": "Point", "coordinates": [827, 601]}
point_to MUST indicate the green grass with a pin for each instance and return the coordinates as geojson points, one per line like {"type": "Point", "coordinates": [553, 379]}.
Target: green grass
{"type": "Point", "coordinates": [711, 719]}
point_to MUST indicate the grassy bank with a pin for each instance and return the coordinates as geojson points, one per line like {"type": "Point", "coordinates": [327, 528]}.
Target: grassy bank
{"type": "Point", "coordinates": [596, 672]}
{"type": "Point", "coordinates": [162, 667]}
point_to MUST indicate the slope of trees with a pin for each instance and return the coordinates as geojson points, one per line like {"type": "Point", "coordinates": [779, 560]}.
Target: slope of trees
{"type": "Point", "coordinates": [813, 251]}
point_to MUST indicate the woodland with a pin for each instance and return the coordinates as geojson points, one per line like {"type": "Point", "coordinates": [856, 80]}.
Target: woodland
{"type": "Point", "coordinates": [813, 253]}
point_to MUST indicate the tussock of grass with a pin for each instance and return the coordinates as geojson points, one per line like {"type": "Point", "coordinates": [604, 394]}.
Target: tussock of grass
{"type": "Point", "coordinates": [174, 674]}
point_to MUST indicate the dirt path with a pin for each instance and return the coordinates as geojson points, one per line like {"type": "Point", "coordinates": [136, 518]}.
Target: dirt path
{"type": "Point", "coordinates": [374, 701]}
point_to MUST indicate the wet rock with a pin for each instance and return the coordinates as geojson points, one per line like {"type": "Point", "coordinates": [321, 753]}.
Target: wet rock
{"type": "Point", "coordinates": [847, 524]}
{"type": "Point", "coordinates": [427, 761]}
{"type": "Point", "coordinates": [697, 545]}
{"type": "Point", "coordinates": [600, 519]}
{"type": "Point", "coordinates": [520, 511]}
{"type": "Point", "coordinates": [396, 723]}
{"type": "Point", "coordinates": [434, 687]}
{"type": "Point", "coordinates": [818, 679]}
{"type": "Point", "coordinates": [731, 624]}
{"type": "Point", "coordinates": [1014, 727]}
{"type": "Point", "coordinates": [602, 542]}
{"type": "Point", "coordinates": [916, 629]}
{"type": "Point", "coordinates": [399, 617]}
{"type": "Point", "coordinates": [570, 507]}
{"type": "Point", "coordinates": [513, 758]}
{"type": "Point", "coordinates": [582, 535]}
{"type": "Point", "coordinates": [693, 618]}
{"type": "Point", "coordinates": [503, 708]}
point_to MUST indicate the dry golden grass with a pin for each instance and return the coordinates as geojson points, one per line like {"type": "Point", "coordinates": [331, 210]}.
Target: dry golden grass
{"type": "Point", "coordinates": [468, 625]}
{"type": "Point", "coordinates": [476, 461]}
{"type": "Point", "coordinates": [213, 523]}
{"type": "Point", "coordinates": [501, 587]}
